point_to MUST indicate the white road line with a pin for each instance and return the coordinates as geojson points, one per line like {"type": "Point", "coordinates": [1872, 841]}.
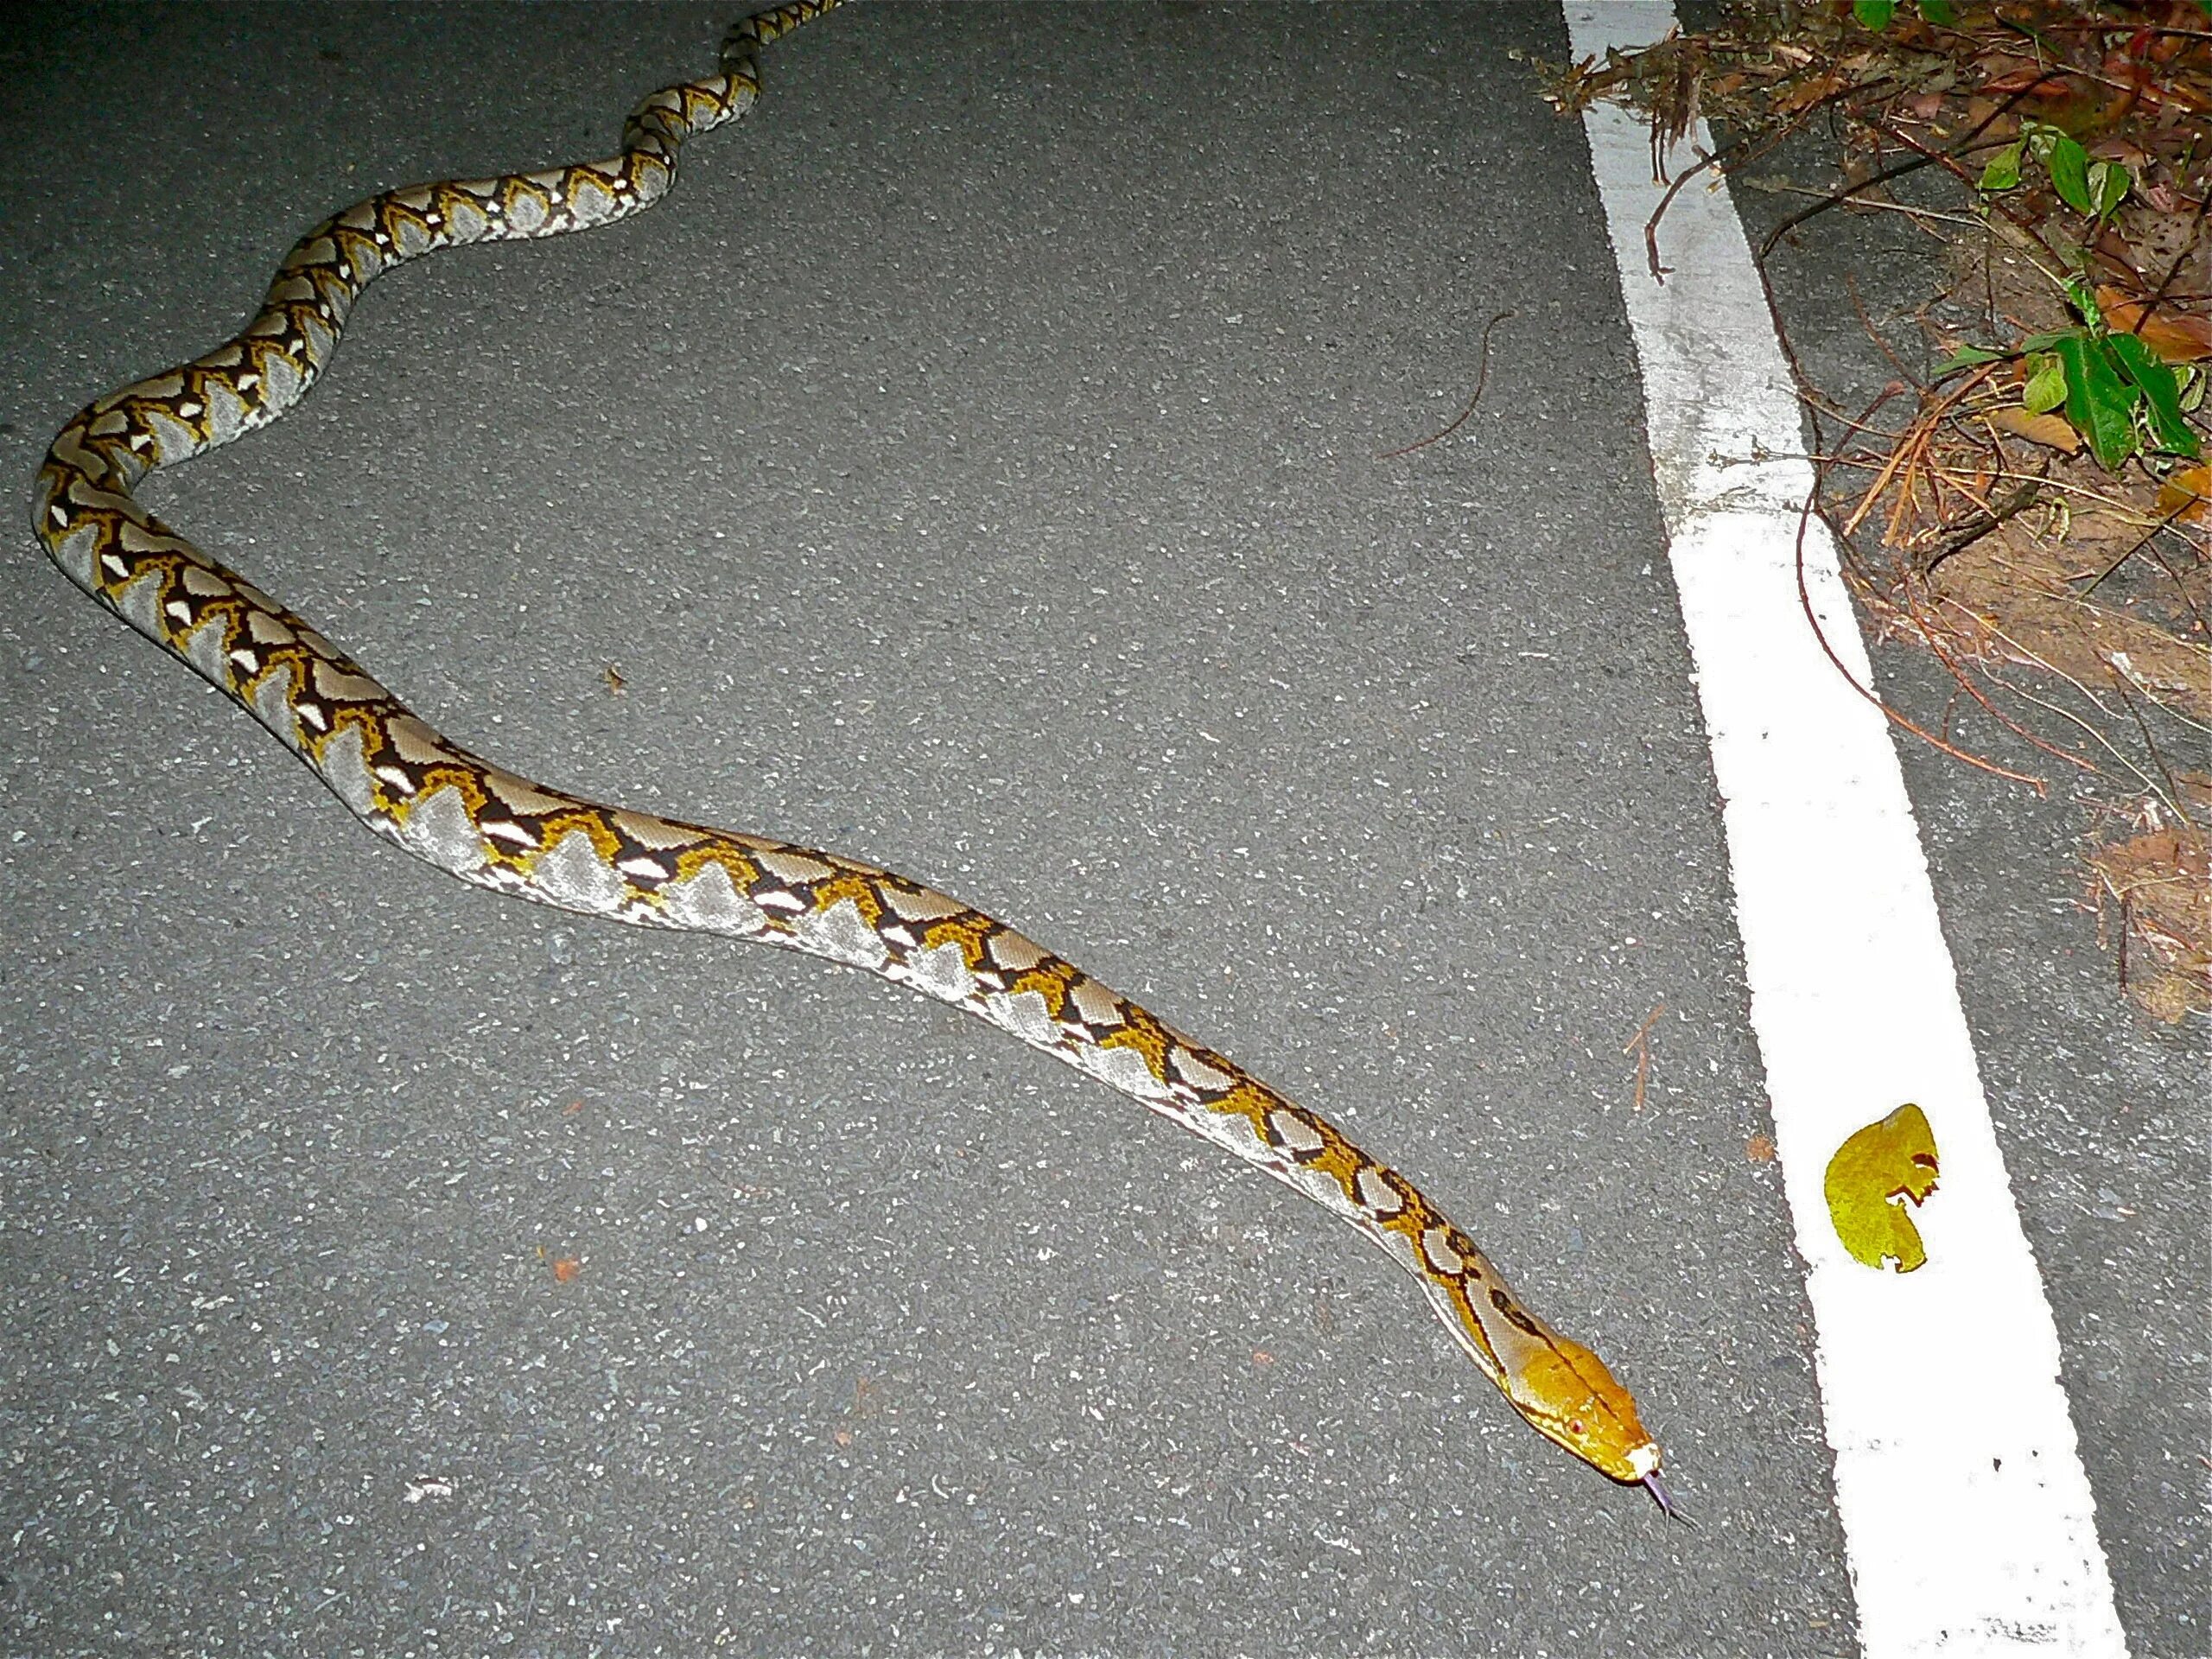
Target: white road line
{"type": "Point", "coordinates": [1968, 1516]}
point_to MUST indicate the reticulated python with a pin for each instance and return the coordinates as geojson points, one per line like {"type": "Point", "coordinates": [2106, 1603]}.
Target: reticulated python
{"type": "Point", "coordinates": [489, 827]}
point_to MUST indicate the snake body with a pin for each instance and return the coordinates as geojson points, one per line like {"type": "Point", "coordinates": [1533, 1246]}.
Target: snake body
{"type": "Point", "coordinates": [490, 828]}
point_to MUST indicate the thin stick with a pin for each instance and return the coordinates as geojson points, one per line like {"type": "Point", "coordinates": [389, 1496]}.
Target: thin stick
{"type": "Point", "coordinates": [2027, 656]}
{"type": "Point", "coordinates": [1641, 1044]}
{"type": "Point", "coordinates": [2140, 543]}
{"type": "Point", "coordinates": [1965, 683]}
{"type": "Point", "coordinates": [2041, 786]}
{"type": "Point", "coordinates": [1915, 435]}
{"type": "Point", "coordinates": [1909, 211]}
{"type": "Point", "coordinates": [1887, 174]}
{"type": "Point", "coordinates": [2180, 587]}
{"type": "Point", "coordinates": [2150, 783]}
{"type": "Point", "coordinates": [2175, 795]}
{"type": "Point", "coordinates": [1975, 526]}
{"type": "Point", "coordinates": [2126, 926]}
{"type": "Point", "coordinates": [1482, 378]}
{"type": "Point", "coordinates": [1651, 224]}
{"type": "Point", "coordinates": [1874, 333]}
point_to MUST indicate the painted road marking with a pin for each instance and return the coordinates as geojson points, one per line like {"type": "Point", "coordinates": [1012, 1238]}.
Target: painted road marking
{"type": "Point", "coordinates": [1967, 1514]}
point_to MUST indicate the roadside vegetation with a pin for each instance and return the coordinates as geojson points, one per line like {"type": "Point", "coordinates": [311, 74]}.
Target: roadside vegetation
{"type": "Point", "coordinates": [2028, 498]}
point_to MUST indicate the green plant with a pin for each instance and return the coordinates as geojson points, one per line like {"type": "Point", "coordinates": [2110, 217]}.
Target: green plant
{"type": "Point", "coordinates": [2092, 187]}
{"type": "Point", "coordinates": [1877, 14]}
{"type": "Point", "coordinates": [2114, 391]}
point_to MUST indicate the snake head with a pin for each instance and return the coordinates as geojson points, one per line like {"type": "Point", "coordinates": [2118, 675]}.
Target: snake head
{"type": "Point", "coordinates": [1569, 1397]}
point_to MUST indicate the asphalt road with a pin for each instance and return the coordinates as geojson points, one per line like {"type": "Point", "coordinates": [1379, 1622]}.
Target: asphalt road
{"type": "Point", "coordinates": [973, 467]}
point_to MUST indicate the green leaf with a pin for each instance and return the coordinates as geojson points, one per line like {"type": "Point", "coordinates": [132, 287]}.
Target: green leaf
{"type": "Point", "coordinates": [1874, 14]}
{"type": "Point", "coordinates": [2192, 386]}
{"type": "Point", "coordinates": [2108, 186]}
{"type": "Point", "coordinates": [2069, 173]}
{"type": "Point", "coordinates": [1966, 357]}
{"type": "Point", "coordinates": [2161, 392]}
{"type": "Point", "coordinates": [2002, 172]}
{"type": "Point", "coordinates": [2098, 402]}
{"type": "Point", "coordinates": [2046, 388]}
{"type": "Point", "coordinates": [2084, 296]}
{"type": "Point", "coordinates": [1938, 12]}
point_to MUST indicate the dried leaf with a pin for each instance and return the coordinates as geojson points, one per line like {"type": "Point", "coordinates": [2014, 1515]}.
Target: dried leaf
{"type": "Point", "coordinates": [1871, 1177]}
{"type": "Point", "coordinates": [565, 1268]}
{"type": "Point", "coordinates": [2049, 430]}
{"type": "Point", "coordinates": [2185, 494]}
{"type": "Point", "coordinates": [2178, 337]}
{"type": "Point", "coordinates": [2163, 880]}
{"type": "Point", "coordinates": [1809, 93]}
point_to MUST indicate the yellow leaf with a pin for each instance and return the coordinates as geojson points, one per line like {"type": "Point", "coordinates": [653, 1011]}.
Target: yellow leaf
{"type": "Point", "coordinates": [2185, 493]}
{"type": "Point", "coordinates": [2049, 430]}
{"type": "Point", "coordinates": [1869, 1180]}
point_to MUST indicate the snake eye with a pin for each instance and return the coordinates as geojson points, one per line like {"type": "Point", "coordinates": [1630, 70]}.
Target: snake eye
{"type": "Point", "coordinates": [1574, 1425]}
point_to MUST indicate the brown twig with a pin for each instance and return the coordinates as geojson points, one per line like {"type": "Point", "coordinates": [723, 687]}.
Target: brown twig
{"type": "Point", "coordinates": [2195, 230]}
{"type": "Point", "coordinates": [2175, 794]}
{"type": "Point", "coordinates": [1873, 333]}
{"type": "Point", "coordinates": [2041, 786]}
{"type": "Point", "coordinates": [1835, 411]}
{"type": "Point", "coordinates": [1975, 526]}
{"type": "Point", "coordinates": [1915, 437]}
{"type": "Point", "coordinates": [1651, 224]}
{"type": "Point", "coordinates": [1640, 1046]}
{"type": "Point", "coordinates": [1929, 638]}
{"type": "Point", "coordinates": [2149, 784]}
{"type": "Point", "coordinates": [1482, 378]}
{"type": "Point", "coordinates": [2126, 926]}
{"type": "Point", "coordinates": [1924, 159]}
{"type": "Point", "coordinates": [2181, 588]}
{"type": "Point", "coordinates": [1726, 157]}
{"type": "Point", "coordinates": [2137, 546]}
{"type": "Point", "coordinates": [1932, 215]}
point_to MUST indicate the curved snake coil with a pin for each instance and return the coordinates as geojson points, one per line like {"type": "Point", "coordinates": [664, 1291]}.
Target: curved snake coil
{"type": "Point", "coordinates": [489, 827]}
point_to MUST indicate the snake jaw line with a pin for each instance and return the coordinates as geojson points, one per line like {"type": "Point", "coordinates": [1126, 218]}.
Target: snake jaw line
{"type": "Point", "coordinates": [1567, 1395]}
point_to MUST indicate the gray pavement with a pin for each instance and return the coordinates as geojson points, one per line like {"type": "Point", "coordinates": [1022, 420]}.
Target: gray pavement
{"type": "Point", "coordinates": [971, 466]}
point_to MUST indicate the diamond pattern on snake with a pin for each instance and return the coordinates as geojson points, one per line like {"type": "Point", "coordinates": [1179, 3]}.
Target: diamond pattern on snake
{"type": "Point", "coordinates": [433, 798]}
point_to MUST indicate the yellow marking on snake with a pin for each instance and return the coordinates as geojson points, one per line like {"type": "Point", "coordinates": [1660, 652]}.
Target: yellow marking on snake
{"type": "Point", "coordinates": [494, 829]}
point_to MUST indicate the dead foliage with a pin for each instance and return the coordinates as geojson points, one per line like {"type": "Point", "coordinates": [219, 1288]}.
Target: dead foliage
{"type": "Point", "coordinates": [2028, 499]}
{"type": "Point", "coordinates": [2152, 892]}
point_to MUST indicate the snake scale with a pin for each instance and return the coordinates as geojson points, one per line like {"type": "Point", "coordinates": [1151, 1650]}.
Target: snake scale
{"type": "Point", "coordinates": [489, 827]}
